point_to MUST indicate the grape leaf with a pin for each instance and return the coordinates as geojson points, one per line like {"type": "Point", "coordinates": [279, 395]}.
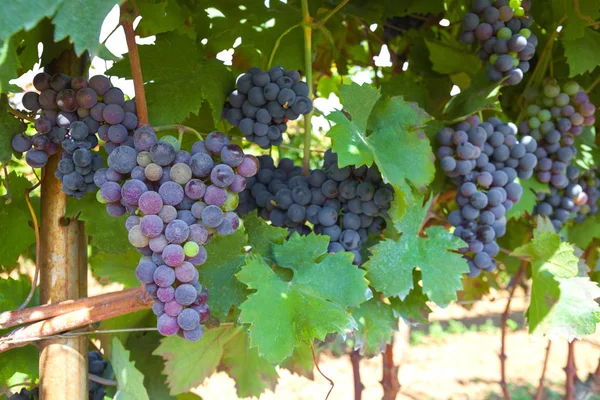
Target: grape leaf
{"type": "Point", "coordinates": [163, 16]}
{"type": "Point", "coordinates": [142, 319]}
{"type": "Point", "coordinates": [390, 267]}
{"type": "Point", "coordinates": [301, 361]}
{"type": "Point", "coordinates": [396, 143]}
{"type": "Point", "coordinates": [9, 65]}
{"type": "Point", "coordinates": [23, 360]}
{"type": "Point", "coordinates": [582, 234]}
{"type": "Point", "coordinates": [413, 309]}
{"type": "Point", "coordinates": [526, 203]}
{"type": "Point", "coordinates": [15, 218]}
{"type": "Point", "coordinates": [310, 305]}
{"type": "Point", "coordinates": [9, 126]}
{"type": "Point", "coordinates": [481, 94]}
{"type": "Point", "coordinates": [262, 236]}
{"type": "Point", "coordinates": [17, 15]}
{"type": "Point", "coordinates": [450, 58]}
{"type": "Point", "coordinates": [251, 373]}
{"type": "Point", "coordinates": [84, 32]}
{"type": "Point", "coordinates": [349, 136]}
{"type": "Point", "coordinates": [406, 86]}
{"type": "Point", "coordinates": [225, 258]}
{"type": "Point", "coordinates": [108, 269]}
{"type": "Point", "coordinates": [130, 381]}
{"type": "Point", "coordinates": [178, 80]}
{"type": "Point", "coordinates": [141, 345]}
{"type": "Point", "coordinates": [376, 325]}
{"type": "Point", "coordinates": [553, 266]}
{"type": "Point", "coordinates": [187, 364]}
{"type": "Point", "coordinates": [108, 233]}
{"type": "Point", "coordinates": [583, 54]}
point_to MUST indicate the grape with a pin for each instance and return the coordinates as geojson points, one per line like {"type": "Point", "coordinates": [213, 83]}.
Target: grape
{"type": "Point", "coordinates": [195, 334]}
{"type": "Point", "coordinates": [132, 190]}
{"type": "Point", "coordinates": [151, 226]}
{"type": "Point", "coordinates": [222, 175]}
{"type": "Point", "coordinates": [162, 153]}
{"type": "Point", "coordinates": [122, 159]}
{"type": "Point", "coordinates": [215, 195]}
{"type": "Point", "coordinates": [177, 231]}
{"type": "Point", "coordinates": [145, 272]}
{"type": "Point", "coordinates": [201, 165]}
{"type": "Point", "coordinates": [180, 173]}
{"type": "Point", "coordinates": [21, 142]}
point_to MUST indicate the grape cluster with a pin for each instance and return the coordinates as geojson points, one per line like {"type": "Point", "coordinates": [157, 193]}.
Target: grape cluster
{"type": "Point", "coordinates": [590, 186]}
{"type": "Point", "coordinates": [502, 29]}
{"type": "Point", "coordinates": [96, 366]}
{"type": "Point", "coordinates": [177, 201]}
{"type": "Point", "coordinates": [346, 204]}
{"type": "Point", "coordinates": [263, 103]}
{"type": "Point", "coordinates": [71, 114]}
{"type": "Point", "coordinates": [484, 159]}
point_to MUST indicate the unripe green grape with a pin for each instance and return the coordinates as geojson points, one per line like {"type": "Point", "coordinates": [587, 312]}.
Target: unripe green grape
{"type": "Point", "coordinates": [232, 201]}
{"type": "Point", "coordinates": [143, 159]}
{"type": "Point", "coordinates": [515, 62]}
{"type": "Point", "coordinates": [172, 140]}
{"type": "Point", "coordinates": [513, 54]}
{"type": "Point", "coordinates": [551, 90]}
{"type": "Point", "coordinates": [533, 110]}
{"type": "Point", "coordinates": [100, 198]}
{"type": "Point", "coordinates": [534, 123]}
{"type": "Point", "coordinates": [493, 59]}
{"type": "Point", "coordinates": [547, 101]}
{"type": "Point", "coordinates": [514, 4]}
{"type": "Point", "coordinates": [544, 115]}
{"type": "Point", "coordinates": [525, 32]}
{"type": "Point", "coordinates": [571, 88]}
{"type": "Point", "coordinates": [520, 12]}
{"type": "Point", "coordinates": [504, 33]}
{"type": "Point", "coordinates": [191, 249]}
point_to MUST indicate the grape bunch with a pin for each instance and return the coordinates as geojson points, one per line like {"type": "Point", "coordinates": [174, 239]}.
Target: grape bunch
{"type": "Point", "coordinates": [263, 103]}
{"type": "Point", "coordinates": [484, 159]}
{"type": "Point", "coordinates": [70, 115]}
{"type": "Point", "coordinates": [590, 186]}
{"type": "Point", "coordinates": [346, 204]}
{"type": "Point", "coordinates": [502, 29]}
{"type": "Point", "coordinates": [177, 201]}
{"type": "Point", "coordinates": [96, 366]}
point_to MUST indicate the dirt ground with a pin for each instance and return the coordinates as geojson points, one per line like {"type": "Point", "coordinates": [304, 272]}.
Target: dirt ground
{"type": "Point", "coordinates": [457, 366]}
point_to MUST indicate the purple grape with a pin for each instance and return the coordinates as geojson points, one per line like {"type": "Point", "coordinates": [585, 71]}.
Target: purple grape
{"type": "Point", "coordinates": [232, 155]}
{"type": "Point", "coordinates": [198, 233]}
{"type": "Point", "coordinates": [150, 203]}
{"type": "Point", "coordinates": [100, 84]}
{"type": "Point", "coordinates": [158, 308]}
{"type": "Point", "coordinates": [151, 226]}
{"type": "Point", "coordinates": [145, 138]}
{"type": "Point", "coordinates": [173, 255]}
{"type": "Point", "coordinates": [215, 196]}
{"type": "Point", "coordinates": [177, 231]}
{"type": "Point", "coordinates": [173, 308]}
{"type": "Point", "coordinates": [42, 81]}
{"type": "Point", "coordinates": [188, 319]}
{"type": "Point", "coordinates": [31, 101]}
{"type": "Point", "coordinates": [132, 190]}
{"type": "Point", "coordinates": [60, 81]}
{"type": "Point", "coordinates": [222, 175]}
{"type": "Point", "coordinates": [164, 276]}
{"type": "Point", "coordinates": [195, 334]}
{"type": "Point", "coordinates": [132, 221]}
{"type": "Point", "coordinates": [185, 272]}
{"type": "Point", "coordinates": [162, 153]}
{"type": "Point", "coordinates": [195, 189]}
{"type": "Point", "coordinates": [123, 159]}
{"type": "Point", "coordinates": [117, 133]}
{"type": "Point", "coordinates": [113, 114]}
{"type": "Point", "coordinates": [230, 224]}
{"type": "Point", "coordinates": [111, 192]}
{"type": "Point", "coordinates": [21, 142]}
{"type": "Point", "coordinates": [115, 209]}
{"type": "Point", "coordinates": [171, 193]}
{"type": "Point", "coordinates": [248, 167]}
{"type": "Point", "coordinates": [201, 165]}
{"type": "Point", "coordinates": [145, 272]}
{"type": "Point", "coordinates": [167, 213]}
{"type": "Point", "coordinates": [186, 294]}
{"type": "Point", "coordinates": [157, 244]}
{"type": "Point", "coordinates": [167, 325]}
{"type": "Point", "coordinates": [215, 141]}
{"type": "Point", "coordinates": [165, 294]}
{"type": "Point", "coordinates": [212, 216]}
{"type": "Point", "coordinates": [200, 258]}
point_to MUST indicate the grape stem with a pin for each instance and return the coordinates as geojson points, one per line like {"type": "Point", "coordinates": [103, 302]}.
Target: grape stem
{"type": "Point", "coordinates": [316, 362]}
{"type": "Point", "coordinates": [505, 251]}
{"type": "Point", "coordinates": [308, 73]}
{"type": "Point", "coordinates": [136, 67]}
{"type": "Point", "coordinates": [20, 114]}
{"type": "Point", "coordinates": [593, 85]}
{"type": "Point", "coordinates": [181, 129]}
{"type": "Point", "coordinates": [332, 13]}
{"type": "Point", "coordinates": [7, 186]}
{"type": "Point", "coordinates": [278, 42]}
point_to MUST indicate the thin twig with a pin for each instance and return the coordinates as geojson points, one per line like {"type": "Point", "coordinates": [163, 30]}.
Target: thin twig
{"type": "Point", "coordinates": [571, 372]}
{"type": "Point", "coordinates": [540, 389]}
{"type": "Point", "coordinates": [504, 319]}
{"type": "Point", "coordinates": [586, 18]}
{"type": "Point", "coordinates": [593, 85]}
{"type": "Point", "coordinates": [101, 380]}
{"type": "Point", "coordinates": [20, 114]}
{"type": "Point", "coordinates": [332, 12]}
{"type": "Point", "coordinates": [36, 229]}
{"type": "Point", "coordinates": [306, 27]}
{"type": "Point", "coordinates": [136, 67]}
{"type": "Point", "coordinates": [7, 186]}
{"type": "Point", "coordinates": [179, 128]}
{"type": "Point", "coordinates": [510, 253]}
{"type": "Point", "coordinates": [312, 348]}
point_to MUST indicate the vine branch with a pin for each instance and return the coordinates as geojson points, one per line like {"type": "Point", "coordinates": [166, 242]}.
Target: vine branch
{"type": "Point", "coordinates": [389, 379]}
{"type": "Point", "coordinates": [540, 389]}
{"type": "Point", "coordinates": [571, 372]}
{"type": "Point", "coordinates": [36, 230]}
{"type": "Point", "coordinates": [20, 114]}
{"type": "Point", "coordinates": [358, 385]}
{"type": "Point", "coordinates": [136, 67]}
{"type": "Point", "coordinates": [308, 73]}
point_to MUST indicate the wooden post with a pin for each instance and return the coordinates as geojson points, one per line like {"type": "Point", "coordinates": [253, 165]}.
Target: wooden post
{"type": "Point", "coordinates": [63, 276]}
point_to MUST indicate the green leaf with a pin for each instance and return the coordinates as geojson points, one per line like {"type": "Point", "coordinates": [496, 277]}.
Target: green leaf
{"type": "Point", "coordinates": [9, 65]}
{"type": "Point", "coordinates": [138, 319]}
{"type": "Point", "coordinates": [413, 309]}
{"type": "Point", "coordinates": [108, 233]}
{"type": "Point", "coordinates": [23, 360]}
{"type": "Point", "coordinates": [14, 291]}
{"type": "Point", "coordinates": [349, 136]}
{"type": "Point", "coordinates": [17, 15]}
{"type": "Point", "coordinates": [15, 218]}
{"type": "Point", "coordinates": [177, 77]}
{"type": "Point", "coordinates": [187, 364]}
{"type": "Point", "coordinates": [130, 381]}
{"type": "Point", "coordinates": [450, 58]}
{"type": "Point", "coordinates": [527, 202]}
{"type": "Point", "coordinates": [225, 258]}
{"type": "Point", "coordinates": [390, 267]}
{"type": "Point", "coordinates": [163, 16]}
{"type": "Point", "coordinates": [251, 373]}
{"type": "Point", "coordinates": [9, 126]}
{"type": "Point", "coordinates": [313, 303]}
{"type": "Point", "coordinates": [263, 236]}
{"type": "Point", "coordinates": [301, 361]}
{"type": "Point", "coordinates": [481, 94]}
{"type": "Point", "coordinates": [583, 54]}
{"type": "Point", "coordinates": [84, 32]}
{"type": "Point", "coordinates": [376, 324]}
{"type": "Point", "coordinates": [407, 87]}
{"type": "Point", "coordinates": [141, 345]}
{"type": "Point", "coordinates": [108, 268]}
{"type": "Point", "coordinates": [582, 234]}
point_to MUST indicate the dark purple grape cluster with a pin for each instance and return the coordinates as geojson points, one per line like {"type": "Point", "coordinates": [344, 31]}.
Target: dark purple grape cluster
{"type": "Point", "coordinates": [484, 159]}
{"type": "Point", "coordinates": [177, 200]}
{"type": "Point", "coordinates": [502, 29]}
{"type": "Point", "coordinates": [346, 204]}
{"type": "Point", "coordinates": [70, 116]}
{"type": "Point", "coordinates": [263, 103]}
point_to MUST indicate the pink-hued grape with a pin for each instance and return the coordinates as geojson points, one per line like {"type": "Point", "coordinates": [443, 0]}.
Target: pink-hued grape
{"type": "Point", "coordinates": [151, 226]}
{"type": "Point", "coordinates": [215, 196]}
{"type": "Point", "coordinates": [173, 255]}
{"type": "Point", "coordinates": [203, 310]}
{"type": "Point", "coordinates": [185, 272]}
{"type": "Point", "coordinates": [167, 213]}
{"type": "Point", "coordinates": [136, 237]}
{"type": "Point", "coordinates": [165, 294]}
{"type": "Point", "coordinates": [248, 167]}
{"type": "Point", "coordinates": [198, 234]}
{"type": "Point", "coordinates": [202, 296]}
{"type": "Point", "coordinates": [173, 308]}
{"type": "Point", "coordinates": [111, 192]}
{"type": "Point", "coordinates": [238, 185]}
{"type": "Point", "coordinates": [150, 203]}
{"type": "Point", "coordinates": [132, 190]}
{"type": "Point", "coordinates": [167, 325]}
{"type": "Point", "coordinates": [113, 114]}
{"type": "Point", "coordinates": [153, 172]}
{"type": "Point", "coordinates": [232, 155]}
{"type": "Point", "coordinates": [164, 276]}
{"type": "Point", "coordinates": [158, 244]}
{"type": "Point", "coordinates": [195, 189]}
{"type": "Point", "coordinates": [230, 224]}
